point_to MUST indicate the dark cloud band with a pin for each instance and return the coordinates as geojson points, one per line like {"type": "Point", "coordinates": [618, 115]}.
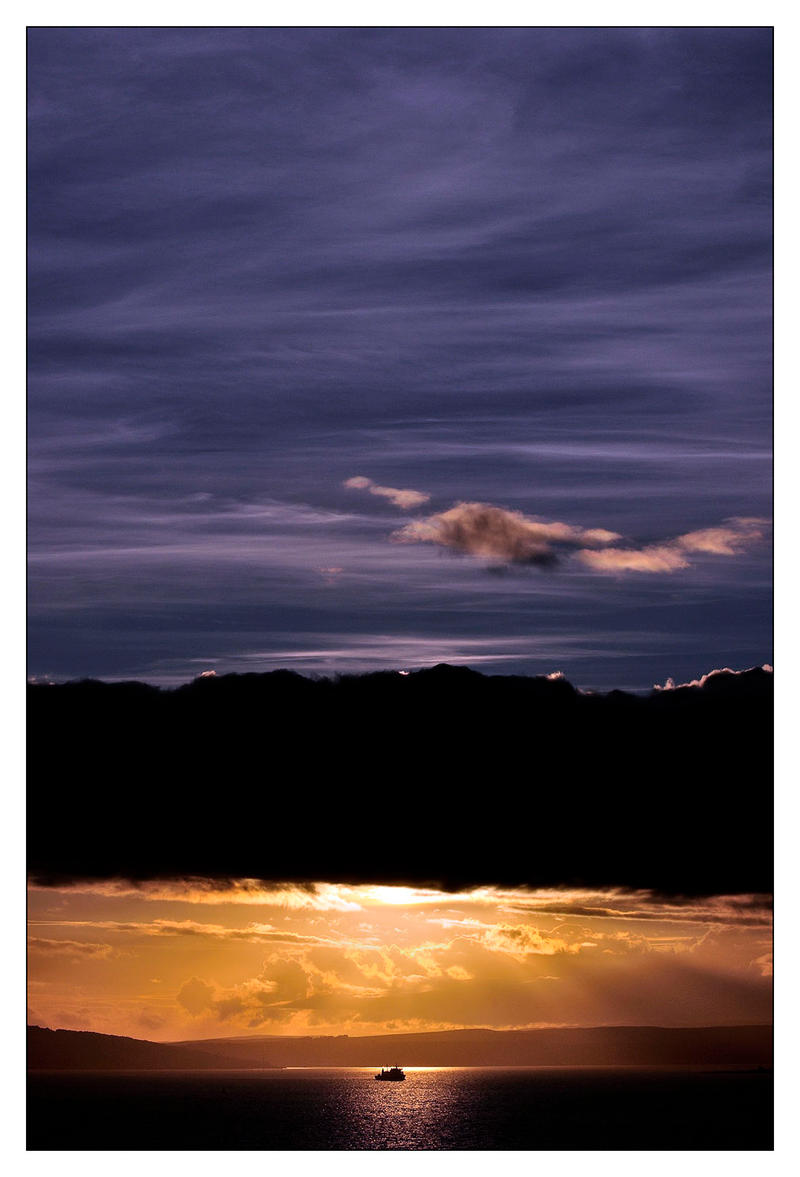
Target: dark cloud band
{"type": "Point", "coordinates": [441, 777]}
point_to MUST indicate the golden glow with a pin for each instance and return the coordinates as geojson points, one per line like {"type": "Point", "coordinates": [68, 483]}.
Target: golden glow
{"type": "Point", "coordinates": [173, 960]}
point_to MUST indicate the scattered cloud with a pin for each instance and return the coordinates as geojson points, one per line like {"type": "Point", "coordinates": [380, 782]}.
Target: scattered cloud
{"type": "Point", "coordinates": [405, 499]}
{"type": "Point", "coordinates": [763, 964]}
{"type": "Point", "coordinates": [256, 1001]}
{"type": "Point", "coordinates": [671, 555]}
{"type": "Point", "coordinates": [654, 558]}
{"type": "Point", "coordinates": [724, 541]}
{"type": "Point", "coordinates": [521, 939]}
{"type": "Point", "coordinates": [428, 307]}
{"type": "Point", "coordinates": [482, 973]}
{"type": "Point", "coordinates": [196, 996]}
{"type": "Point", "coordinates": [403, 958]}
{"type": "Point", "coordinates": [479, 529]}
{"type": "Point", "coordinates": [510, 537]}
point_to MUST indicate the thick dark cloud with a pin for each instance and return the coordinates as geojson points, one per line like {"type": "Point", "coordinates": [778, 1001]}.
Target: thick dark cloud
{"type": "Point", "coordinates": [441, 777]}
{"type": "Point", "coordinates": [528, 267]}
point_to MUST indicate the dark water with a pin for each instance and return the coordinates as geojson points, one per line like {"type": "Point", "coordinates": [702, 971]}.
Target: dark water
{"type": "Point", "coordinates": [449, 1108]}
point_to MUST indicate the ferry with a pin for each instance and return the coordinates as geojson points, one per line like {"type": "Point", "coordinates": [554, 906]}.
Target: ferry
{"type": "Point", "coordinates": [391, 1074]}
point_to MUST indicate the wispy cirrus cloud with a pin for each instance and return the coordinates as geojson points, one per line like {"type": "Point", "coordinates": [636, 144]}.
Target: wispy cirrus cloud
{"type": "Point", "coordinates": [346, 901]}
{"type": "Point", "coordinates": [79, 949]}
{"type": "Point", "coordinates": [644, 906]}
{"type": "Point", "coordinates": [247, 892]}
{"type": "Point", "coordinates": [254, 933]}
{"type": "Point", "coordinates": [437, 312]}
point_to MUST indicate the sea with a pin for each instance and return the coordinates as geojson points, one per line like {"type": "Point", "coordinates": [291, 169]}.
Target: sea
{"type": "Point", "coordinates": [476, 1108]}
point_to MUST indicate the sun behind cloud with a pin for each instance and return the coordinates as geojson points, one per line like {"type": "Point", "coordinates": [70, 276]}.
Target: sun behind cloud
{"type": "Point", "coordinates": [177, 961]}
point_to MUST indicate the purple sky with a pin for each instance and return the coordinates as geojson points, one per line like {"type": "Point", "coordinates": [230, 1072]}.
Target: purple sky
{"type": "Point", "coordinates": [528, 268]}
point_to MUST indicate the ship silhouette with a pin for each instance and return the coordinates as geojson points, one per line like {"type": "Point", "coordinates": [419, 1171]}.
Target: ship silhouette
{"type": "Point", "coordinates": [391, 1074]}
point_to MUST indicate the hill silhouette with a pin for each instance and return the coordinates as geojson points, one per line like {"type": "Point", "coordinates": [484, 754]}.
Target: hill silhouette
{"type": "Point", "coordinates": [442, 776]}
{"type": "Point", "coordinates": [82, 1050]}
{"type": "Point", "coordinates": [585, 1046]}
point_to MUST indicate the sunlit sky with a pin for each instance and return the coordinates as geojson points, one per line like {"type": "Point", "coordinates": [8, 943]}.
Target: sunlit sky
{"type": "Point", "coordinates": [170, 961]}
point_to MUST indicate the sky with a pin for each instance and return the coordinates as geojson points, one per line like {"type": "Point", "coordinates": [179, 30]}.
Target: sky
{"type": "Point", "coordinates": [353, 348]}
{"type": "Point", "coordinates": [173, 961]}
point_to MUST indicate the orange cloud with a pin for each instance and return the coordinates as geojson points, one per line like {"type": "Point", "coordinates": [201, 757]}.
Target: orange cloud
{"type": "Point", "coordinates": [724, 541]}
{"type": "Point", "coordinates": [76, 948]}
{"type": "Point", "coordinates": [360, 959]}
{"type": "Point", "coordinates": [251, 892]}
{"type": "Point", "coordinates": [406, 499]}
{"type": "Point", "coordinates": [510, 537]}
{"type": "Point", "coordinates": [480, 529]}
{"type": "Point", "coordinates": [655, 558]}
{"type": "Point", "coordinates": [671, 555]}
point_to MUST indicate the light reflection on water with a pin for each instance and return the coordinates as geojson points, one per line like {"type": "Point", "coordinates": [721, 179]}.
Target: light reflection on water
{"type": "Point", "coordinates": [435, 1108]}
{"type": "Point", "coordinates": [429, 1110]}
